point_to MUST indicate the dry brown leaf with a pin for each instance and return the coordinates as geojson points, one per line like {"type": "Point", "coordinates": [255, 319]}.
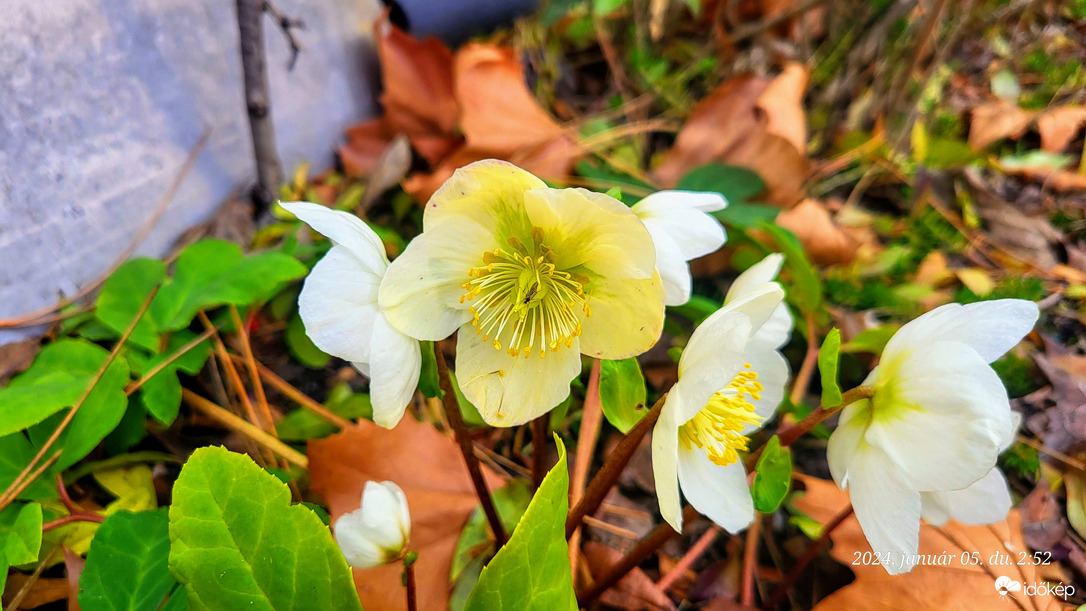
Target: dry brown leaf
{"type": "Point", "coordinates": [933, 271]}
{"type": "Point", "coordinates": [43, 591]}
{"type": "Point", "coordinates": [391, 167]}
{"type": "Point", "coordinates": [429, 468]}
{"type": "Point", "coordinates": [782, 102]}
{"type": "Point", "coordinates": [822, 238]}
{"type": "Point", "coordinates": [1028, 238]}
{"type": "Point", "coordinates": [634, 592]}
{"type": "Point", "coordinates": [1052, 178]}
{"type": "Point", "coordinates": [957, 586]}
{"type": "Point", "coordinates": [729, 126]}
{"type": "Point", "coordinates": [1059, 126]}
{"type": "Point", "coordinates": [73, 565]}
{"type": "Point", "coordinates": [997, 120]}
{"type": "Point", "coordinates": [366, 142]}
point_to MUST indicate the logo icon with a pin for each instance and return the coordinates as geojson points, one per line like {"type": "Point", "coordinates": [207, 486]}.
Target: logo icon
{"type": "Point", "coordinates": [1005, 585]}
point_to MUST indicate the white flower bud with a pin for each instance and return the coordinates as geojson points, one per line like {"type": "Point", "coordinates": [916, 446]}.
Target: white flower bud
{"type": "Point", "coordinates": [377, 532]}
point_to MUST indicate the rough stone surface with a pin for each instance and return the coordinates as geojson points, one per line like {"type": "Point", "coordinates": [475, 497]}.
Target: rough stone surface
{"type": "Point", "coordinates": [102, 100]}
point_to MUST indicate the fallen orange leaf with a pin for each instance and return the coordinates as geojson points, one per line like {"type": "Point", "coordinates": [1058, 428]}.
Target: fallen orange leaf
{"type": "Point", "coordinates": [1059, 126]}
{"type": "Point", "coordinates": [994, 121]}
{"type": "Point", "coordinates": [955, 586]}
{"type": "Point", "coordinates": [733, 125]}
{"type": "Point", "coordinates": [428, 466]}
{"type": "Point", "coordinates": [823, 239]}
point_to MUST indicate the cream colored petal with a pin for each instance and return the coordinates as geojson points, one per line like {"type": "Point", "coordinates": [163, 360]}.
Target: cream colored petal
{"type": "Point", "coordinates": [759, 304]}
{"type": "Point", "coordinates": [846, 439]}
{"type": "Point", "coordinates": [491, 194]}
{"type": "Point", "coordinates": [756, 275]}
{"type": "Point", "coordinates": [359, 551]}
{"type": "Point", "coordinates": [395, 363]}
{"type": "Point", "coordinates": [887, 509]}
{"type": "Point", "coordinates": [716, 353]}
{"type": "Point", "coordinates": [674, 271]}
{"type": "Point", "coordinates": [421, 291]}
{"type": "Point", "coordinates": [511, 390]}
{"type": "Point", "coordinates": [682, 216]}
{"type": "Point", "coordinates": [592, 233]}
{"type": "Point", "coordinates": [777, 331]}
{"type": "Point", "coordinates": [986, 501]}
{"type": "Point", "coordinates": [627, 317]}
{"type": "Point", "coordinates": [338, 305]}
{"type": "Point", "coordinates": [934, 507]}
{"type": "Point", "coordinates": [941, 415]}
{"type": "Point", "coordinates": [719, 493]}
{"type": "Point", "coordinates": [773, 373]}
{"type": "Point", "coordinates": [989, 327]}
{"type": "Point", "coordinates": [346, 230]}
{"type": "Point", "coordinates": [665, 460]}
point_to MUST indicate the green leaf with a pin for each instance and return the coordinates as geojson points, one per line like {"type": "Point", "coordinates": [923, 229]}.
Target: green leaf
{"type": "Point", "coordinates": [738, 186]}
{"type": "Point", "coordinates": [127, 563]}
{"type": "Point", "coordinates": [806, 289]}
{"type": "Point", "coordinates": [20, 533]}
{"type": "Point", "coordinates": [429, 384]}
{"type": "Point", "coordinates": [213, 273]}
{"type": "Point", "coordinates": [511, 500]}
{"type": "Point", "coordinates": [16, 452]}
{"type": "Point", "coordinates": [606, 7]}
{"type": "Point", "coordinates": [828, 357]}
{"type": "Point", "coordinates": [532, 570]}
{"type": "Point", "coordinates": [27, 405]}
{"type": "Point", "coordinates": [101, 411]}
{"type": "Point", "coordinates": [302, 347]}
{"type": "Point", "coordinates": [622, 393]}
{"type": "Point", "coordinates": [238, 543]}
{"type": "Point", "coordinates": [772, 477]}
{"type": "Point", "coordinates": [302, 424]}
{"type": "Point", "coordinates": [124, 293]}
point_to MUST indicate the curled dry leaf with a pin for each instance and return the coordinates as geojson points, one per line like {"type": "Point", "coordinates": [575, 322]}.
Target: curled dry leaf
{"type": "Point", "coordinates": [428, 467]}
{"type": "Point", "coordinates": [823, 239]}
{"type": "Point", "coordinates": [750, 122]}
{"type": "Point", "coordinates": [957, 585]}
{"type": "Point", "coordinates": [996, 120]}
{"type": "Point", "coordinates": [1059, 126]}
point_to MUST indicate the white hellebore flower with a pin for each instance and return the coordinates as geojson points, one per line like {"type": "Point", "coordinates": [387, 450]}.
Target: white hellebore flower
{"type": "Point", "coordinates": [377, 532]}
{"type": "Point", "coordinates": [926, 442]}
{"type": "Point", "coordinates": [681, 230]}
{"type": "Point", "coordinates": [731, 379]}
{"type": "Point", "coordinates": [532, 277]}
{"type": "Point", "coordinates": [338, 305]}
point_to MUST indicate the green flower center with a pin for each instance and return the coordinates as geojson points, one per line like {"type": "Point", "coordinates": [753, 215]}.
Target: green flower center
{"type": "Point", "coordinates": [520, 296]}
{"type": "Point", "coordinates": [716, 428]}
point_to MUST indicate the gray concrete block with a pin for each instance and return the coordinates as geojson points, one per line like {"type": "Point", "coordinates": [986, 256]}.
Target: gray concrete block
{"type": "Point", "coordinates": [100, 101]}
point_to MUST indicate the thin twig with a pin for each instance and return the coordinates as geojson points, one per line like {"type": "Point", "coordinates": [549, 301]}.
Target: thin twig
{"type": "Point", "coordinates": [750, 560]}
{"type": "Point", "coordinates": [258, 100]}
{"type": "Point", "coordinates": [23, 482]}
{"type": "Point", "coordinates": [540, 431]}
{"type": "Point", "coordinates": [463, 439]}
{"type": "Point", "coordinates": [812, 551]}
{"type": "Point", "coordinates": [409, 585]}
{"type": "Point", "coordinates": [196, 341]}
{"type": "Point", "coordinates": [43, 315]}
{"type": "Point", "coordinates": [689, 558]}
{"type": "Point", "coordinates": [612, 574]}
{"type": "Point", "coordinates": [231, 372]}
{"type": "Point", "coordinates": [299, 397]}
{"type": "Point", "coordinates": [810, 359]}
{"type": "Point", "coordinates": [239, 425]}
{"type": "Point", "coordinates": [608, 474]}
{"type": "Point", "coordinates": [591, 420]}
{"type": "Point", "coordinates": [287, 25]}
{"type": "Point", "coordinates": [250, 363]}
{"type": "Point", "coordinates": [17, 600]}
{"type": "Point", "coordinates": [83, 516]}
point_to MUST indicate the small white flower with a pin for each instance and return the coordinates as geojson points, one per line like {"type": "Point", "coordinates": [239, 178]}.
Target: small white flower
{"type": "Point", "coordinates": [681, 230]}
{"type": "Point", "coordinates": [377, 532]}
{"type": "Point", "coordinates": [338, 305]}
{"type": "Point", "coordinates": [926, 442]}
{"type": "Point", "coordinates": [731, 379]}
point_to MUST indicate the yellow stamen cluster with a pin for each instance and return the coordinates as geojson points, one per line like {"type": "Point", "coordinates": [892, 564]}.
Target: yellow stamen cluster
{"type": "Point", "coordinates": [520, 296]}
{"type": "Point", "coordinates": [716, 428]}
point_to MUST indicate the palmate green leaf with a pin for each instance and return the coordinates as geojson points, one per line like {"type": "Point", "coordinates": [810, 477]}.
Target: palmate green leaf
{"type": "Point", "coordinates": [122, 296]}
{"type": "Point", "coordinates": [828, 356]}
{"type": "Point", "coordinates": [20, 533]}
{"type": "Point", "coordinates": [213, 273]}
{"type": "Point", "coordinates": [100, 412]}
{"type": "Point", "coordinates": [773, 476]}
{"type": "Point", "coordinates": [161, 394]}
{"type": "Point", "coordinates": [532, 571]}
{"type": "Point", "coordinates": [238, 543]}
{"type": "Point", "coordinates": [16, 452]}
{"type": "Point", "coordinates": [126, 566]}
{"type": "Point", "coordinates": [26, 405]}
{"type": "Point", "coordinates": [622, 393]}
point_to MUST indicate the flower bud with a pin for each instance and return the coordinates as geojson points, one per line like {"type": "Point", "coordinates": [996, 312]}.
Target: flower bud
{"type": "Point", "coordinates": [377, 532]}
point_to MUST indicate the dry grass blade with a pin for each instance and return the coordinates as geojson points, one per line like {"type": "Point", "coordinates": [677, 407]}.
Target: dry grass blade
{"type": "Point", "coordinates": [238, 425]}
